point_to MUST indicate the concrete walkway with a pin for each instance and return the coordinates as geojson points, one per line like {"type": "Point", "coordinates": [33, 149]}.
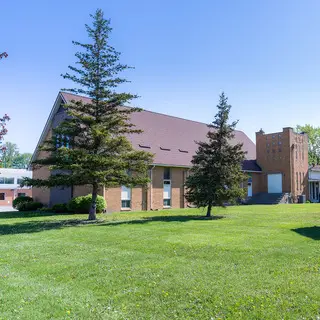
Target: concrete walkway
{"type": "Point", "coordinates": [6, 209]}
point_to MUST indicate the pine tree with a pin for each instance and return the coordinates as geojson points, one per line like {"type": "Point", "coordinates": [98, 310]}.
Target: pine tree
{"type": "Point", "coordinates": [216, 176]}
{"type": "Point", "coordinates": [91, 147]}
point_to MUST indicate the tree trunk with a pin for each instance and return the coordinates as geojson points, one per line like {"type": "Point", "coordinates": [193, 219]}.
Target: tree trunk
{"type": "Point", "coordinates": [209, 209]}
{"type": "Point", "coordinates": [93, 208]}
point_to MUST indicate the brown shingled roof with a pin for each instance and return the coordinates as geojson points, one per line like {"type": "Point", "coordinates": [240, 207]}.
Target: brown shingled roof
{"type": "Point", "coordinates": [172, 139]}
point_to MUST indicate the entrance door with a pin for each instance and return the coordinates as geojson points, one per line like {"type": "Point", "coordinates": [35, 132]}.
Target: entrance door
{"type": "Point", "coordinates": [275, 183]}
{"type": "Point", "coordinates": [249, 189]}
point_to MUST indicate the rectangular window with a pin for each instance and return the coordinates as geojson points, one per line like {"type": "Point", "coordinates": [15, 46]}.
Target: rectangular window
{"type": "Point", "coordinates": [167, 193]}
{"type": "Point", "coordinates": [297, 180]}
{"type": "Point", "coordinates": [8, 180]}
{"type": "Point", "coordinates": [19, 181]}
{"type": "Point", "coordinates": [2, 196]}
{"type": "Point", "coordinates": [125, 197]}
{"type": "Point", "coordinates": [62, 141]}
{"type": "Point", "coordinates": [21, 194]}
{"type": "Point", "coordinates": [1, 180]}
{"type": "Point", "coordinates": [166, 174]}
{"type": "Point", "coordinates": [301, 181]}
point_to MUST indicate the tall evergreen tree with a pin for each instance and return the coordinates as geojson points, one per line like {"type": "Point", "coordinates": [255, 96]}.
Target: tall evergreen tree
{"type": "Point", "coordinates": [91, 147]}
{"type": "Point", "coordinates": [216, 175]}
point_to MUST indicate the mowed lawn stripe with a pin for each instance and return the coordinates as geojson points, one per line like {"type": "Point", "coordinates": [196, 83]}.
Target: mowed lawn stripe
{"type": "Point", "coordinates": [250, 264]}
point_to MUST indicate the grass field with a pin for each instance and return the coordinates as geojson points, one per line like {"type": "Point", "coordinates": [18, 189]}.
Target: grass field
{"type": "Point", "coordinates": [252, 262]}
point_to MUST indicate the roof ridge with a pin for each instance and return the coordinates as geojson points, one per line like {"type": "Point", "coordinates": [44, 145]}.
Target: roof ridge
{"type": "Point", "coordinates": [163, 114]}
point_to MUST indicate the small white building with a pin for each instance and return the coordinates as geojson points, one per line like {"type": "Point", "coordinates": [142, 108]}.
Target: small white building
{"type": "Point", "coordinates": [314, 183]}
{"type": "Point", "coordinates": [10, 180]}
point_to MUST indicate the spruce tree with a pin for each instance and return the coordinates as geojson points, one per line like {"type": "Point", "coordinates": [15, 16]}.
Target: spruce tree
{"type": "Point", "coordinates": [91, 146]}
{"type": "Point", "coordinates": [216, 174]}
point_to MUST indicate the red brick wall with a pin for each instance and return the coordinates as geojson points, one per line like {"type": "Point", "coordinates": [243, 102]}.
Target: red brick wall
{"type": "Point", "coordinates": [276, 153]}
{"type": "Point", "coordinates": [10, 195]}
{"type": "Point", "coordinates": [151, 197]}
{"type": "Point", "coordinates": [42, 194]}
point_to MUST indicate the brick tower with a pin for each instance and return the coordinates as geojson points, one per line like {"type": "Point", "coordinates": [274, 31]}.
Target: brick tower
{"type": "Point", "coordinates": [283, 158]}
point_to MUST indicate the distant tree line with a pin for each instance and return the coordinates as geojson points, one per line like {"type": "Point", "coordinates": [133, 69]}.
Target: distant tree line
{"type": "Point", "coordinates": [313, 142]}
{"type": "Point", "coordinates": [12, 158]}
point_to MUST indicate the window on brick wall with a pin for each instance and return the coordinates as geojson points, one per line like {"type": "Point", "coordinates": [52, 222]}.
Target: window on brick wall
{"type": "Point", "coordinates": [2, 196]}
{"type": "Point", "coordinates": [62, 141]}
{"type": "Point", "coordinates": [21, 194]}
{"type": "Point", "coordinates": [301, 181]}
{"type": "Point", "coordinates": [166, 174]}
{"type": "Point", "coordinates": [125, 197]}
{"type": "Point", "coordinates": [167, 193]}
{"type": "Point", "coordinates": [297, 180]}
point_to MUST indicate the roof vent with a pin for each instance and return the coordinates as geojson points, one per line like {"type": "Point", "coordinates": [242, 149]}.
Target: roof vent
{"type": "Point", "coordinates": [144, 146]}
{"type": "Point", "coordinates": [183, 151]}
{"type": "Point", "coordinates": [165, 149]}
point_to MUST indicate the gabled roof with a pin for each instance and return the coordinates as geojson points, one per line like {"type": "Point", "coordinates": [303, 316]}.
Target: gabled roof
{"type": "Point", "coordinates": [251, 166]}
{"type": "Point", "coordinates": [171, 139]}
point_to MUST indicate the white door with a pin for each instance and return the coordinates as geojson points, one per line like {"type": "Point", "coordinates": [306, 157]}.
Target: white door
{"type": "Point", "coordinates": [275, 183]}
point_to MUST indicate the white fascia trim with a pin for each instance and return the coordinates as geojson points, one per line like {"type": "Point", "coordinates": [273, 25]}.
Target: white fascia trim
{"type": "Point", "coordinates": [170, 165]}
{"type": "Point", "coordinates": [189, 167]}
{"type": "Point", "coordinates": [46, 128]}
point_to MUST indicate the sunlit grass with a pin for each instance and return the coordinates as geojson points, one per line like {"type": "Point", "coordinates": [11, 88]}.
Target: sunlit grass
{"type": "Point", "coordinates": [252, 262]}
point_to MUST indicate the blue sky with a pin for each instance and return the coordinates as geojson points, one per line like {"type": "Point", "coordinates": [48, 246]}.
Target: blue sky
{"type": "Point", "coordinates": [264, 54]}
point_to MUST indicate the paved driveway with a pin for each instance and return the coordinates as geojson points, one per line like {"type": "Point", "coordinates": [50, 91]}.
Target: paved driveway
{"type": "Point", "coordinates": [6, 209]}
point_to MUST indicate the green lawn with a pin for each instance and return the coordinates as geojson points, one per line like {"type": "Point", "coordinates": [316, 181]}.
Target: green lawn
{"type": "Point", "coordinates": [252, 262]}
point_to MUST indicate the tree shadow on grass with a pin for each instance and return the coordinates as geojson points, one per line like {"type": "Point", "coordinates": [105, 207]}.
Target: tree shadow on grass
{"type": "Point", "coordinates": [310, 232]}
{"type": "Point", "coordinates": [173, 218]}
{"type": "Point", "coordinates": [39, 226]}
{"type": "Point", "coordinates": [31, 214]}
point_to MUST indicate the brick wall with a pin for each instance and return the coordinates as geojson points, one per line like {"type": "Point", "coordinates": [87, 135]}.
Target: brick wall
{"type": "Point", "coordinates": [151, 197]}
{"type": "Point", "coordinates": [11, 194]}
{"type": "Point", "coordinates": [299, 149]}
{"type": "Point", "coordinates": [41, 194]}
{"type": "Point", "coordinates": [113, 198]}
{"type": "Point", "coordinates": [276, 153]}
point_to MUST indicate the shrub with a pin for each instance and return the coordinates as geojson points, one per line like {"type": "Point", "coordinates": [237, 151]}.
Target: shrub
{"type": "Point", "coordinates": [308, 201]}
{"type": "Point", "coordinates": [60, 208]}
{"type": "Point", "coordinates": [45, 209]}
{"type": "Point", "coordinates": [82, 204]}
{"type": "Point", "coordinates": [21, 199]}
{"type": "Point", "coordinates": [29, 206]}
